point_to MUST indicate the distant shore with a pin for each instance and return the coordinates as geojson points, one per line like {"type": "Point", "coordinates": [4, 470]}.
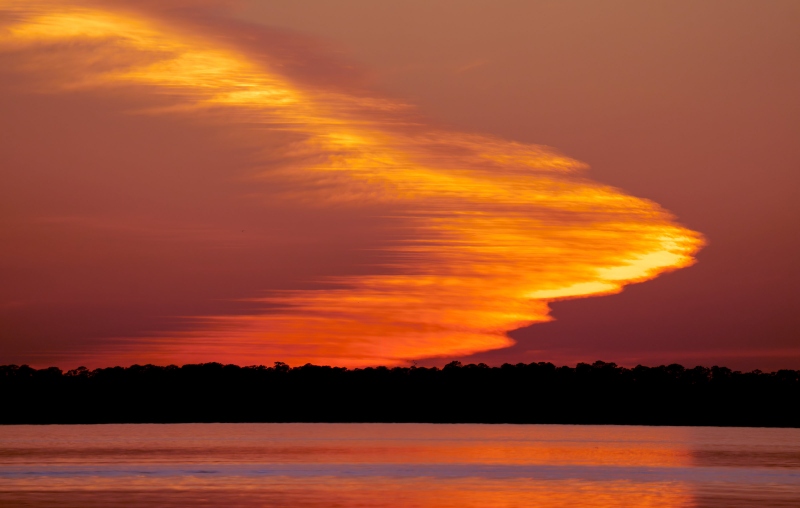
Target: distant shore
{"type": "Point", "coordinates": [598, 393]}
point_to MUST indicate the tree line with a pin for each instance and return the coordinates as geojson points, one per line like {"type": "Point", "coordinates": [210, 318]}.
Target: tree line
{"type": "Point", "coordinates": [598, 393]}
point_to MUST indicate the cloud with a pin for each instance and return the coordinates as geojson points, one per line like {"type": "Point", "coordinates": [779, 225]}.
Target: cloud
{"type": "Point", "coordinates": [477, 234]}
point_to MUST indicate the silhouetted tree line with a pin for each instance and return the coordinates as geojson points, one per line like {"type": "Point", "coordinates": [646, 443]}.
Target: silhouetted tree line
{"type": "Point", "coordinates": [600, 393]}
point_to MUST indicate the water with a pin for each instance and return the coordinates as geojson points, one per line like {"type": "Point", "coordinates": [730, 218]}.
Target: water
{"type": "Point", "coordinates": [387, 465]}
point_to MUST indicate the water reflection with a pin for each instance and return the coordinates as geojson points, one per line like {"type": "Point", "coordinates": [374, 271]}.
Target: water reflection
{"type": "Point", "coordinates": [381, 465]}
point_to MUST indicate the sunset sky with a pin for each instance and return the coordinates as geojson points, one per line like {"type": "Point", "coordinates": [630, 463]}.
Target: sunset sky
{"type": "Point", "coordinates": [374, 183]}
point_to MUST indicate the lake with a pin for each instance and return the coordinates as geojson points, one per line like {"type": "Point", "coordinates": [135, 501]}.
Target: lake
{"type": "Point", "coordinates": [383, 465]}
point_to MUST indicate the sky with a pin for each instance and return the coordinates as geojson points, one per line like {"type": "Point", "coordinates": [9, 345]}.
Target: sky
{"type": "Point", "coordinates": [386, 183]}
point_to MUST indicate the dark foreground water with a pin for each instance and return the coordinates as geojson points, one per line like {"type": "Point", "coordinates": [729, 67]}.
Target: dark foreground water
{"type": "Point", "coordinates": [368, 465]}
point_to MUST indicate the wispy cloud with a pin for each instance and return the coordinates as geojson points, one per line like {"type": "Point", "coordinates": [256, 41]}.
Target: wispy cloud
{"type": "Point", "coordinates": [488, 231]}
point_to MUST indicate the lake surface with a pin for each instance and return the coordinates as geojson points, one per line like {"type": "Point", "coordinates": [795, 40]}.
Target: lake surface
{"type": "Point", "coordinates": [383, 465]}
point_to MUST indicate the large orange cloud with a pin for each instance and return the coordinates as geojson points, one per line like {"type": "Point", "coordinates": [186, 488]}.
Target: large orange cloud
{"type": "Point", "coordinates": [486, 231]}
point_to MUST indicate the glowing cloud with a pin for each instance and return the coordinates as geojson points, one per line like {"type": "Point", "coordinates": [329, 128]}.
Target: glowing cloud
{"type": "Point", "coordinates": [489, 231]}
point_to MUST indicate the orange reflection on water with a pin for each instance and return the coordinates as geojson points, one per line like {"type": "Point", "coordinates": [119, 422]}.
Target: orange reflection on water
{"type": "Point", "coordinates": [167, 463]}
{"type": "Point", "coordinates": [352, 444]}
{"type": "Point", "coordinates": [343, 492]}
{"type": "Point", "coordinates": [492, 230]}
{"type": "Point", "coordinates": [382, 465]}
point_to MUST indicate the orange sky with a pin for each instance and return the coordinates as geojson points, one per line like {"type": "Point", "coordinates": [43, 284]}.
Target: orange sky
{"type": "Point", "coordinates": [256, 182]}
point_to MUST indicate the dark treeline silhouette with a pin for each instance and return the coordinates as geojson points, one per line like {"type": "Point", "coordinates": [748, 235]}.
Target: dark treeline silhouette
{"type": "Point", "coordinates": [601, 393]}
